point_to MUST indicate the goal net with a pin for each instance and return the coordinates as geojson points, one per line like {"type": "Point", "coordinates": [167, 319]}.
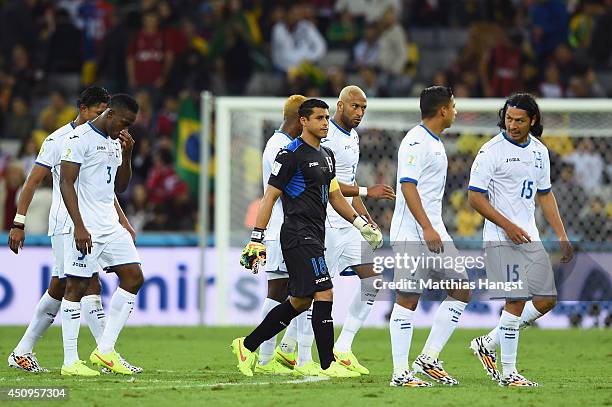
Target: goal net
{"type": "Point", "coordinates": [577, 133]}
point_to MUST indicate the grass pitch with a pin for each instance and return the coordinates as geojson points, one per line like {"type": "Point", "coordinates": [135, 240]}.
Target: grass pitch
{"type": "Point", "coordinates": [194, 366]}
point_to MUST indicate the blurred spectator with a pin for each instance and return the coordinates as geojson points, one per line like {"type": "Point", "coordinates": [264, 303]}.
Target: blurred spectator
{"type": "Point", "coordinates": [588, 165]}
{"type": "Point", "coordinates": [370, 10]}
{"type": "Point", "coordinates": [64, 53]}
{"type": "Point", "coordinates": [144, 118]}
{"type": "Point", "coordinates": [28, 151]}
{"type": "Point", "coordinates": [336, 80]}
{"type": "Point", "coordinates": [191, 67]}
{"type": "Point", "coordinates": [500, 68]}
{"type": "Point", "coordinates": [231, 49]}
{"type": "Point", "coordinates": [111, 66]}
{"type": "Point", "coordinates": [182, 210]}
{"type": "Point", "coordinates": [367, 49]}
{"type": "Point", "coordinates": [138, 208]}
{"type": "Point", "coordinates": [551, 85]}
{"type": "Point", "coordinates": [595, 224]}
{"type": "Point", "coordinates": [9, 185]}
{"type": "Point", "coordinates": [565, 62]}
{"type": "Point", "coordinates": [549, 29]}
{"type": "Point", "coordinates": [295, 40]}
{"type": "Point", "coordinates": [163, 182]}
{"type": "Point", "coordinates": [392, 42]}
{"type": "Point", "coordinates": [149, 57]}
{"type": "Point", "coordinates": [58, 113]}
{"type": "Point", "coordinates": [600, 49]}
{"type": "Point", "coordinates": [342, 32]}
{"type": "Point", "coordinates": [368, 81]}
{"type": "Point", "coordinates": [142, 161]}
{"type": "Point", "coordinates": [21, 76]}
{"type": "Point", "coordinates": [19, 122]}
{"type": "Point", "coordinates": [167, 117]}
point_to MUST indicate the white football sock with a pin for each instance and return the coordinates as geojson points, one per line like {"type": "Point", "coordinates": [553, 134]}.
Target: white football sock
{"type": "Point", "coordinates": [444, 324]}
{"type": "Point", "coordinates": [400, 327]}
{"type": "Point", "coordinates": [71, 322]}
{"type": "Point", "coordinates": [121, 306]}
{"type": "Point", "coordinates": [289, 341]}
{"type": "Point", "coordinates": [92, 310]}
{"type": "Point", "coordinates": [509, 336]}
{"type": "Point", "coordinates": [43, 317]}
{"type": "Point", "coordinates": [529, 314]}
{"type": "Point", "coordinates": [266, 349]}
{"type": "Point", "coordinates": [305, 337]}
{"type": "Point", "coordinates": [357, 313]}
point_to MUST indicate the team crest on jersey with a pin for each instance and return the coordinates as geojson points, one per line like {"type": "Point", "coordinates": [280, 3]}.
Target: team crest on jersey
{"type": "Point", "coordinates": [330, 164]}
{"type": "Point", "coordinates": [68, 153]}
{"type": "Point", "coordinates": [539, 162]}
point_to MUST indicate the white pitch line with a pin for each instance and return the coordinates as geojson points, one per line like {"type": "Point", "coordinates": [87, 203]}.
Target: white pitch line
{"type": "Point", "coordinates": [309, 379]}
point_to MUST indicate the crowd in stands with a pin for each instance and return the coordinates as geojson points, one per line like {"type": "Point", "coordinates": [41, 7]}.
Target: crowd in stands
{"type": "Point", "coordinates": [166, 51]}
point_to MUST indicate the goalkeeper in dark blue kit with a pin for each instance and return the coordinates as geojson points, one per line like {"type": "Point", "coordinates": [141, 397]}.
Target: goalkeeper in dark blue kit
{"type": "Point", "coordinates": [303, 175]}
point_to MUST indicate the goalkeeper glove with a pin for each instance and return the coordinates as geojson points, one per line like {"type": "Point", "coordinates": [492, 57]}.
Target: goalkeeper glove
{"type": "Point", "coordinates": [370, 233]}
{"type": "Point", "coordinates": [254, 253]}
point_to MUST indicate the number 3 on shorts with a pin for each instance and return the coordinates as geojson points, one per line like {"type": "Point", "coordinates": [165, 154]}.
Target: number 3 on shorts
{"type": "Point", "coordinates": [109, 175]}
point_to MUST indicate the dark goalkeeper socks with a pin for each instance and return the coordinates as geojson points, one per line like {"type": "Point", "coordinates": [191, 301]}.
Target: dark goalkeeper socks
{"type": "Point", "coordinates": [277, 319]}
{"type": "Point", "coordinates": [323, 327]}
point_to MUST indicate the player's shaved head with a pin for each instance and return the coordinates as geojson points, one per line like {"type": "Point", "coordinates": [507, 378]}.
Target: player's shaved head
{"type": "Point", "coordinates": [349, 92]}
{"type": "Point", "coordinates": [292, 105]}
{"type": "Point", "coordinates": [351, 107]}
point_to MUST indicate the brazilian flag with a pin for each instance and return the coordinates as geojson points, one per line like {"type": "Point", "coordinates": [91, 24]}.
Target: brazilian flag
{"type": "Point", "coordinates": [187, 145]}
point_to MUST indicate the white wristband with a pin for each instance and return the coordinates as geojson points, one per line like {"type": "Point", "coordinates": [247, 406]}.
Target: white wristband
{"type": "Point", "coordinates": [360, 222]}
{"type": "Point", "coordinates": [19, 219]}
{"type": "Point", "coordinates": [363, 191]}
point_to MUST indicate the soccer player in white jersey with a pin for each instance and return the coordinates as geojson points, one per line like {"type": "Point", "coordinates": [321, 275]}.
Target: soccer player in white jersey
{"type": "Point", "coordinates": [346, 252]}
{"type": "Point", "coordinates": [284, 360]}
{"type": "Point", "coordinates": [96, 164]}
{"type": "Point", "coordinates": [417, 230]}
{"type": "Point", "coordinates": [91, 103]}
{"type": "Point", "coordinates": [510, 173]}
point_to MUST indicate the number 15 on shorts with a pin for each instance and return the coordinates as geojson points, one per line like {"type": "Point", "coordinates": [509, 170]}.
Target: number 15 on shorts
{"type": "Point", "coordinates": [512, 273]}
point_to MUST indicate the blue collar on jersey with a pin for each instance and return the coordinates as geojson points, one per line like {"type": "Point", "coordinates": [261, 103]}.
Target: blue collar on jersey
{"type": "Point", "coordinates": [73, 125]}
{"type": "Point", "coordinates": [515, 143]}
{"type": "Point", "coordinates": [429, 131]}
{"type": "Point", "coordinates": [282, 132]}
{"type": "Point", "coordinates": [348, 133]}
{"type": "Point", "coordinates": [96, 129]}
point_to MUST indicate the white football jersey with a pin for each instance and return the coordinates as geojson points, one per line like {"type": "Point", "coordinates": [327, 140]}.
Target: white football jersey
{"type": "Point", "coordinates": [278, 140]}
{"type": "Point", "coordinates": [345, 146]}
{"type": "Point", "coordinates": [49, 156]}
{"type": "Point", "coordinates": [99, 157]}
{"type": "Point", "coordinates": [511, 174]}
{"type": "Point", "coordinates": [421, 159]}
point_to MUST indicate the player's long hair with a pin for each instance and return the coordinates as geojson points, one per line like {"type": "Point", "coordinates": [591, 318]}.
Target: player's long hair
{"type": "Point", "coordinates": [526, 102]}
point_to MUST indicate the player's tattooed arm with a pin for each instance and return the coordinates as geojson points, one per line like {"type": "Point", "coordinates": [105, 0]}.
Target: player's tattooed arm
{"type": "Point", "coordinates": [415, 205]}
{"type": "Point", "coordinates": [548, 202]}
{"type": "Point", "coordinates": [69, 172]}
{"type": "Point", "coordinates": [16, 236]}
{"type": "Point", "coordinates": [265, 207]}
{"type": "Point", "coordinates": [124, 172]}
{"type": "Point", "coordinates": [481, 204]}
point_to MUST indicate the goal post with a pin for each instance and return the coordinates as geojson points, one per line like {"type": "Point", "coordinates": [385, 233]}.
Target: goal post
{"type": "Point", "coordinates": [244, 124]}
